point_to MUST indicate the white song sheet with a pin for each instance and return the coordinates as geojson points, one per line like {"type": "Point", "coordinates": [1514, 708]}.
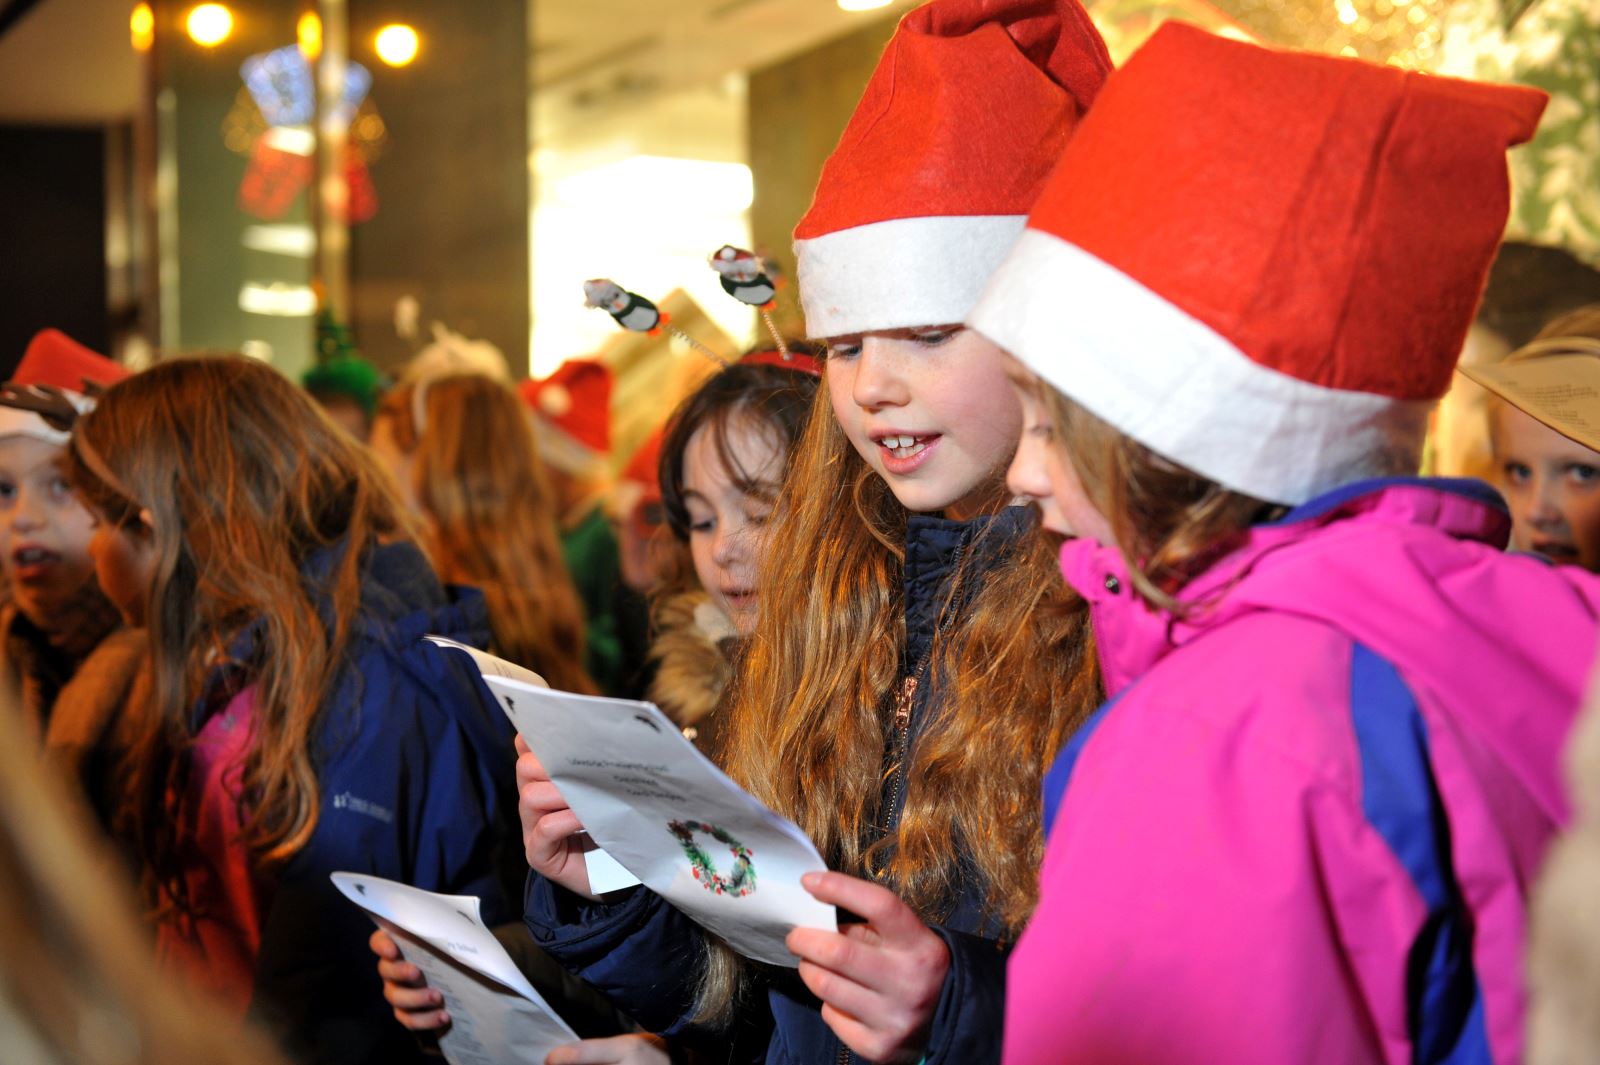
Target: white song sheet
{"type": "Point", "coordinates": [496, 1016]}
{"type": "Point", "coordinates": [605, 875]}
{"type": "Point", "coordinates": [671, 818]}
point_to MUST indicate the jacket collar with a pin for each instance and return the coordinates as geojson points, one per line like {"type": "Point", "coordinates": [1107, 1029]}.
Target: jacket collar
{"type": "Point", "coordinates": [1133, 636]}
{"type": "Point", "coordinates": [936, 551]}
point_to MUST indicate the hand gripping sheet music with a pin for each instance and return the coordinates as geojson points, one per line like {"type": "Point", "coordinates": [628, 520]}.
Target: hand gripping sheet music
{"type": "Point", "coordinates": [605, 875]}
{"type": "Point", "coordinates": [674, 820]}
{"type": "Point", "coordinates": [496, 1016]}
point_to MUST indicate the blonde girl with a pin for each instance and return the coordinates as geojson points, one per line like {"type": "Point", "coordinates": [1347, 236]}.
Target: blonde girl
{"type": "Point", "coordinates": [910, 665]}
{"type": "Point", "coordinates": [1304, 827]}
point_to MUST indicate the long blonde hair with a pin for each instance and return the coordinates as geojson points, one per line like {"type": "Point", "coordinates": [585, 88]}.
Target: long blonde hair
{"type": "Point", "coordinates": [244, 479]}
{"type": "Point", "coordinates": [1014, 673]}
{"type": "Point", "coordinates": [1169, 522]}
{"type": "Point", "coordinates": [491, 516]}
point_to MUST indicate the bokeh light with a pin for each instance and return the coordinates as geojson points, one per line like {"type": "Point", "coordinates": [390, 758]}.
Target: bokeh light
{"type": "Point", "coordinates": [396, 44]}
{"type": "Point", "coordinates": [209, 24]}
{"type": "Point", "coordinates": [142, 28]}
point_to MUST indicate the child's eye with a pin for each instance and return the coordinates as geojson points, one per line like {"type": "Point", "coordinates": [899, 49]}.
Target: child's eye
{"type": "Point", "coordinates": [844, 350]}
{"type": "Point", "coordinates": [703, 526]}
{"type": "Point", "coordinates": [1043, 430]}
{"type": "Point", "coordinates": [7, 490]}
{"type": "Point", "coordinates": [932, 338]}
{"type": "Point", "coordinates": [60, 489]}
{"type": "Point", "coordinates": [1517, 472]}
{"type": "Point", "coordinates": [758, 517]}
{"type": "Point", "coordinates": [1583, 473]}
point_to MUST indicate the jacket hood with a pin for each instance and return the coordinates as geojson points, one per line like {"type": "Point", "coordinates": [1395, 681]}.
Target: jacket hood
{"type": "Point", "coordinates": [1412, 569]}
{"type": "Point", "coordinates": [401, 598]}
{"type": "Point", "coordinates": [401, 602]}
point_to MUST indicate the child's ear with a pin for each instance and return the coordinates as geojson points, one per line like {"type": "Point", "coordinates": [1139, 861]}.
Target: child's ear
{"type": "Point", "coordinates": [146, 518]}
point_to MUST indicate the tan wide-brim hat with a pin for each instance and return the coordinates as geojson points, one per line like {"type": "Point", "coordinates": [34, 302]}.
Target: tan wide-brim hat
{"type": "Point", "coordinates": [1556, 382]}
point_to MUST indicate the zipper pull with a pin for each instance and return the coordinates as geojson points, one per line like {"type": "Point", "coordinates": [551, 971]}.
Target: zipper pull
{"type": "Point", "coordinates": [902, 709]}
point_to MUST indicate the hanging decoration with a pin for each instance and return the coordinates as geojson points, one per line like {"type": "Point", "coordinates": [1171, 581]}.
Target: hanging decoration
{"type": "Point", "coordinates": [272, 121]}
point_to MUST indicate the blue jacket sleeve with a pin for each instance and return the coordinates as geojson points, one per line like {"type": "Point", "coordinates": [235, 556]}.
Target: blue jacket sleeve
{"type": "Point", "coordinates": [417, 786]}
{"type": "Point", "coordinates": [971, 1011]}
{"type": "Point", "coordinates": [639, 951]}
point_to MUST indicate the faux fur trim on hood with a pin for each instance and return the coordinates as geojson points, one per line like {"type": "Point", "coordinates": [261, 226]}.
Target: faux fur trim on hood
{"type": "Point", "coordinates": [692, 670]}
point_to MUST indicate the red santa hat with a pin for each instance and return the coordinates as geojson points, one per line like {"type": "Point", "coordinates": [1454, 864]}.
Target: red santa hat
{"type": "Point", "coordinates": [52, 384]}
{"type": "Point", "coordinates": [572, 409]}
{"type": "Point", "coordinates": [1262, 264]}
{"type": "Point", "coordinates": [952, 142]}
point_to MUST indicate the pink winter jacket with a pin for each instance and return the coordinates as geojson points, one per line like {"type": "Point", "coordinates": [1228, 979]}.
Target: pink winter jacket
{"type": "Point", "coordinates": [1304, 826]}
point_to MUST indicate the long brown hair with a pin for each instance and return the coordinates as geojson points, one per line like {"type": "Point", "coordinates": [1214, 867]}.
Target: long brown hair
{"type": "Point", "coordinates": [1015, 671]}
{"type": "Point", "coordinates": [243, 479]}
{"type": "Point", "coordinates": [491, 516]}
{"type": "Point", "coordinates": [1170, 523]}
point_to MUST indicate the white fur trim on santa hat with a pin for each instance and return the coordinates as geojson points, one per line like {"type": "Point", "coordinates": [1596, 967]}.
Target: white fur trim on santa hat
{"type": "Point", "coordinates": [15, 422]}
{"type": "Point", "coordinates": [901, 273]}
{"type": "Point", "coordinates": [565, 452]}
{"type": "Point", "coordinates": [1182, 389]}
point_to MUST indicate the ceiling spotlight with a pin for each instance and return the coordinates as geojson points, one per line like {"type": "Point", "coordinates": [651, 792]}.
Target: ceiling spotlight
{"type": "Point", "coordinates": [142, 28]}
{"type": "Point", "coordinates": [396, 44]}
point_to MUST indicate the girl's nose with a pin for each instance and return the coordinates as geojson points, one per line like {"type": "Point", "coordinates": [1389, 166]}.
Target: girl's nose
{"type": "Point", "coordinates": [878, 381]}
{"type": "Point", "coordinates": [1026, 476]}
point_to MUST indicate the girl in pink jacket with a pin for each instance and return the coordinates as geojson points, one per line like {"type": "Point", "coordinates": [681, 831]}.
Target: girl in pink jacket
{"type": "Point", "coordinates": [1303, 827]}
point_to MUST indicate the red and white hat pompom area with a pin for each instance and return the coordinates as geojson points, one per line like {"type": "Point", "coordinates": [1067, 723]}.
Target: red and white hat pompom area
{"type": "Point", "coordinates": [55, 370]}
{"type": "Point", "coordinates": [1262, 264]}
{"type": "Point", "coordinates": [572, 414]}
{"type": "Point", "coordinates": [951, 143]}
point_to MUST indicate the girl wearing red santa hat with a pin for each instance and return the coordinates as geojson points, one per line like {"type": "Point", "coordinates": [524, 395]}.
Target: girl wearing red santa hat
{"type": "Point", "coordinates": [1303, 828]}
{"type": "Point", "coordinates": [908, 675]}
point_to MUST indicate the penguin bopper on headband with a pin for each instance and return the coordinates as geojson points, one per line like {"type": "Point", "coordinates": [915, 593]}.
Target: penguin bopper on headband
{"type": "Point", "coordinates": [638, 315]}
{"type": "Point", "coordinates": [744, 277]}
{"type": "Point", "coordinates": [632, 311]}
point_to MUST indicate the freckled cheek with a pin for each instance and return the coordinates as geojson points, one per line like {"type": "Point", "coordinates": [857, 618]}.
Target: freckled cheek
{"type": "Point", "coordinates": [987, 425]}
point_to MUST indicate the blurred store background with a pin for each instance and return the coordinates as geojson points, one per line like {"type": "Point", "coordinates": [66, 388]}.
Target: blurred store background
{"type": "Point", "coordinates": [182, 177]}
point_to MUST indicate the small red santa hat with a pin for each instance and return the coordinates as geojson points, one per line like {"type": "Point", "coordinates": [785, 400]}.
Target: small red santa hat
{"type": "Point", "coordinates": [52, 384]}
{"type": "Point", "coordinates": [1262, 264]}
{"type": "Point", "coordinates": [572, 409]}
{"type": "Point", "coordinates": [933, 178]}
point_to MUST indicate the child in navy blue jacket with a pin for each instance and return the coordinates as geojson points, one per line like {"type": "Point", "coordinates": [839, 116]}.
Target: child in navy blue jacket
{"type": "Point", "coordinates": [299, 726]}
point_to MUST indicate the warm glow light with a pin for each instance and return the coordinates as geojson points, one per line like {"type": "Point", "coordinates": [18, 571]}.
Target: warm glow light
{"type": "Point", "coordinates": [142, 28]}
{"type": "Point", "coordinates": [209, 24]}
{"type": "Point", "coordinates": [863, 5]}
{"type": "Point", "coordinates": [278, 300]}
{"type": "Point", "coordinates": [396, 44]}
{"type": "Point", "coordinates": [1346, 12]}
{"type": "Point", "coordinates": [661, 184]}
{"type": "Point", "coordinates": [308, 31]}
